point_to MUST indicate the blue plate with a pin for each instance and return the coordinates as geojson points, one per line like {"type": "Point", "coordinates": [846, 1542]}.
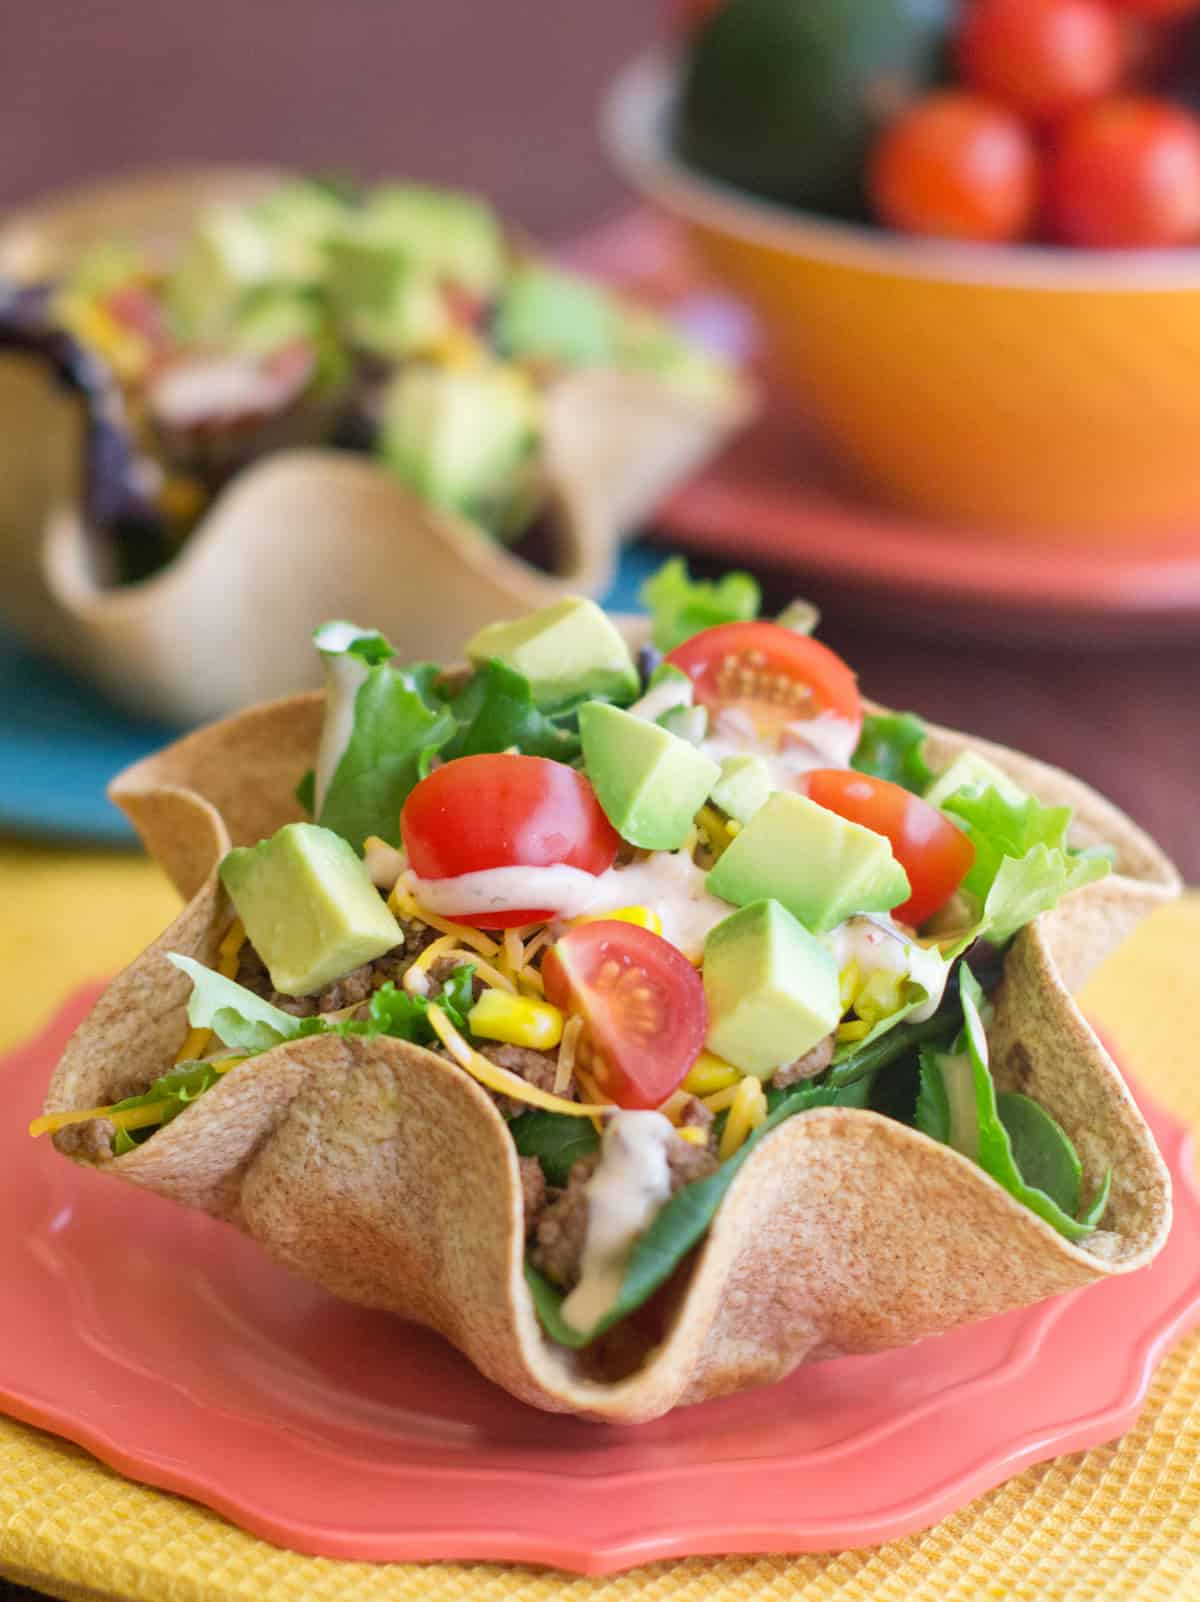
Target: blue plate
{"type": "Point", "coordinates": [60, 743]}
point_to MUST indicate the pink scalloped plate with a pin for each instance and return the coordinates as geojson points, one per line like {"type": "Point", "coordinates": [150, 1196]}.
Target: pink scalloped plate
{"type": "Point", "coordinates": [774, 498]}
{"type": "Point", "coordinates": [172, 1349]}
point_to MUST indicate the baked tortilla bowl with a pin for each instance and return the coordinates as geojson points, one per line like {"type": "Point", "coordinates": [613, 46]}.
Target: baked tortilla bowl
{"type": "Point", "coordinates": [305, 533]}
{"type": "Point", "coordinates": [385, 1174]}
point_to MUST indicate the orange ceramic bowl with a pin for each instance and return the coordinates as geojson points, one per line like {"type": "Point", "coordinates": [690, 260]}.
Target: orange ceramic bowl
{"type": "Point", "coordinates": [1012, 389]}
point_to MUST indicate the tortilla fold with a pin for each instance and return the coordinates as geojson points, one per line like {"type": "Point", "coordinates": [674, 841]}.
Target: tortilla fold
{"type": "Point", "coordinates": [385, 1174]}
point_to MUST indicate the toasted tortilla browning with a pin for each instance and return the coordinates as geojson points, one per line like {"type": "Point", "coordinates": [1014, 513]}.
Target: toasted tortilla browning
{"type": "Point", "coordinates": [373, 1167]}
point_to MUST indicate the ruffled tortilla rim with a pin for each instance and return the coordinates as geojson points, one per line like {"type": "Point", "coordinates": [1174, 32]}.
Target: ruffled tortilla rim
{"type": "Point", "coordinates": [373, 1167]}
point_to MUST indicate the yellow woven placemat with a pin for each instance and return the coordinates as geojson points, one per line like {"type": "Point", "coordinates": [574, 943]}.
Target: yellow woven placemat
{"type": "Point", "coordinates": [1117, 1524]}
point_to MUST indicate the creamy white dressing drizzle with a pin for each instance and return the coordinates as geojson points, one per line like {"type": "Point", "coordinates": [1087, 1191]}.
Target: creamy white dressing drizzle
{"type": "Point", "coordinates": [826, 741]}
{"type": "Point", "coordinates": [213, 386]}
{"type": "Point", "coordinates": [878, 945]}
{"type": "Point", "coordinates": [344, 676]}
{"type": "Point", "coordinates": [671, 691]}
{"type": "Point", "coordinates": [668, 881]}
{"type": "Point", "coordinates": [624, 1194]}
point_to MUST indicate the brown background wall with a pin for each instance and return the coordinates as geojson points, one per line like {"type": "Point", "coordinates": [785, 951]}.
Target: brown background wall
{"type": "Point", "coordinates": [499, 94]}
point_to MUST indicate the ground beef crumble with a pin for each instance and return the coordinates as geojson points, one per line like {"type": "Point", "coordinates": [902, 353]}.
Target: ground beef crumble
{"type": "Point", "coordinates": [812, 1063]}
{"type": "Point", "coordinates": [352, 987]}
{"type": "Point", "coordinates": [533, 1189]}
{"type": "Point", "coordinates": [536, 1068]}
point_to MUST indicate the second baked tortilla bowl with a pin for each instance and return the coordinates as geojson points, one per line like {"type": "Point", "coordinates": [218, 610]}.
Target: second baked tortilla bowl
{"type": "Point", "coordinates": [304, 534]}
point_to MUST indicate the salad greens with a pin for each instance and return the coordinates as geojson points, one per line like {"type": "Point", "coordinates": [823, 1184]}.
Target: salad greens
{"type": "Point", "coordinates": [555, 1140]}
{"type": "Point", "coordinates": [679, 1226]}
{"type": "Point", "coordinates": [392, 729]}
{"type": "Point", "coordinates": [681, 606]}
{"type": "Point", "coordinates": [396, 720]}
{"type": "Point", "coordinates": [890, 747]}
{"type": "Point", "coordinates": [1023, 864]}
{"type": "Point", "coordinates": [174, 1091]}
{"type": "Point", "coordinates": [1010, 1137]}
{"type": "Point", "coordinates": [496, 710]}
{"type": "Point", "coordinates": [248, 1024]}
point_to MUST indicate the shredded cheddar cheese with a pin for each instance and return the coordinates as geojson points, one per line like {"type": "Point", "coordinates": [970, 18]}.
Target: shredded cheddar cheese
{"type": "Point", "coordinates": [230, 948]}
{"type": "Point", "coordinates": [693, 1134]}
{"type": "Point", "coordinates": [721, 1099]}
{"type": "Point", "coordinates": [405, 906]}
{"type": "Point", "coordinates": [673, 1107]}
{"type": "Point", "coordinates": [572, 1030]}
{"type": "Point", "coordinates": [500, 1079]}
{"type": "Point", "coordinates": [747, 1110]}
{"type": "Point", "coordinates": [121, 1117]}
{"type": "Point", "coordinates": [513, 955]}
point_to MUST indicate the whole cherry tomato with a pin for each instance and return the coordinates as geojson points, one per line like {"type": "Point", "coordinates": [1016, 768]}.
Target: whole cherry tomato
{"type": "Point", "coordinates": [1124, 174]}
{"type": "Point", "coordinates": [504, 811]}
{"type": "Point", "coordinates": [958, 166]}
{"type": "Point", "coordinates": [1041, 58]}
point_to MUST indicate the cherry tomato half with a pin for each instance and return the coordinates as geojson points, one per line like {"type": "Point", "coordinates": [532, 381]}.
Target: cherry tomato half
{"type": "Point", "coordinates": [1041, 58]}
{"type": "Point", "coordinates": [1125, 173]}
{"type": "Point", "coordinates": [932, 851]}
{"type": "Point", "coordinates": [497, 811]}
{"type": "Point", "coordinates": [774, 674]}
{"type": "Point", "coordinates": [643, 1004]}
{"type": "Point", "coordinates": [956, 166]}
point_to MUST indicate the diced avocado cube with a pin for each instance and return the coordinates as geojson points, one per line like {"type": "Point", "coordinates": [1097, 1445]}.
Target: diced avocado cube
{"type": "Point", "coordinates": [969, 770]}
{"type": "Point", "coordinates": [820, 866]}
{"type": "Point", "coordinates": [743, 787]}
{"type": "Point", "coordinates": [649, 782]}
{"type": "Point", "coordinates": [648, 343]}
{"type": "Point", "coordinates": [460, 437]}
{"type": "Point", "coordinates": [450, 236]}
{"type": "Point", "coordinates": [568, 650]}
{"type": "Point", "coordinates": [273, 317]}
{"type": "Point", "coordinates": [772, 989]}
{"type": "Point", "coordinates": [228, 254]}
{"type": "Point", "coordinates": [309, 907]}
{"type": "Point", "coordinates": [546, 315]}
{"type": "Point", "coordinates": [388, 304]}
{"type": "Point", "coordinates": [301, 217]}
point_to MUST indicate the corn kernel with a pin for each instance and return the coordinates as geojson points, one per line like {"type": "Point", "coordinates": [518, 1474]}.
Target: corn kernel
{"type": "Point", "coordinates": [709, 1073]}
{"type": "Point", "coordinates": [643, 917]}
{"type": "Point", "coordinates": [693, 1134]}
{"type": "Point", "coordinates": [516, 1020]}
{"type": "Point", "coordinates": [853, 1029]}
{"type": "Point", "coordinates": [848, 982]}
{"type": "Point", "coordinates": [879, 997]}
{"type": "Point", "coordinates": [747, 1111]}
{"type": "Point", "coordinates": [715, 829]}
